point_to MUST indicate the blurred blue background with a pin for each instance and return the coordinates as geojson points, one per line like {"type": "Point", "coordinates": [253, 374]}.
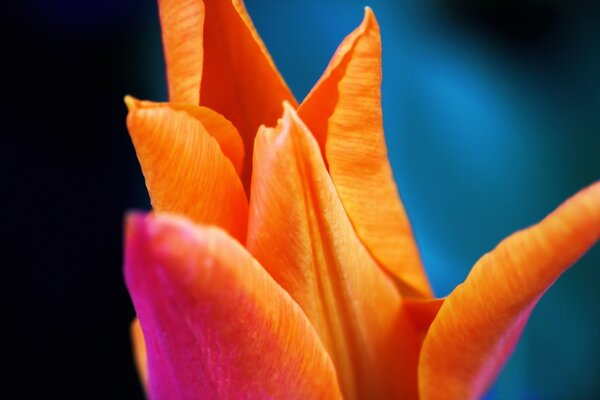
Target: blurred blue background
{"type": "Point", "coordinates": [492, 117]}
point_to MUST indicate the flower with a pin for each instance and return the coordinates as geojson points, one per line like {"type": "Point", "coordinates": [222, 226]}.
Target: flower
{"type": "Point", "coordinates": [281, 263]}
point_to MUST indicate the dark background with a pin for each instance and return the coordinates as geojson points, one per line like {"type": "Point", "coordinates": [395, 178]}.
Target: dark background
{"type": "Point", "coordinates": [492, 113]}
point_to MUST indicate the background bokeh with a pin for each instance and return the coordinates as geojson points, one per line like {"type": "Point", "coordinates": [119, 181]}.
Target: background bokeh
{"type": "Point", "coordinates": [492, 116]}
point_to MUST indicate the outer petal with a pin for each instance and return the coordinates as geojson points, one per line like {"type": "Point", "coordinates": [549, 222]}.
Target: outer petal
{"type": "Point", "coordinates": [240, 80]}
{"type": "Point", "coordinates": [344, 113]}
{"type": "Point", "coordinates": [215, 324]}
{"type": "Point", "coordinates": [182, 33]}
{"type": "Point", "coordinates": [480, 322]}
{"type": "Point", "coordinates": [299, 232]}
{"type": "Point", "coordinates": [184, 167]}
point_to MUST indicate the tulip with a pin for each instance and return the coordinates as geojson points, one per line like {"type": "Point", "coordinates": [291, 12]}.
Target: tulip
{"type": "Point", "coordinates": [279, 261]}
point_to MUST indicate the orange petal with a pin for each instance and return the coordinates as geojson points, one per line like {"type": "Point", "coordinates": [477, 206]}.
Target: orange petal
{"type": "Point", "coordinates": [182, 34]}
{"type": "Point", "coordinates": [240, 80]}
{"type": "Point", "coordinates": [218, 127]}
{"type": "Point", "coordinates": [299, 232]}
{"type": "Point", "coordinates": [215, 324]}
{"type": "Point", "coordinates": [480, 322]}
{"type": "Point", "coordinates": [343, 111]}
{"type": "Point", "coordinates": [185, 169]}
{"type": "Point", "coordinates": [139, 352]}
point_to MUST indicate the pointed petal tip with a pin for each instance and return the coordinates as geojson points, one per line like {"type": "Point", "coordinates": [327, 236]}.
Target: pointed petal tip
{"type": "Point", "coordinates": [287, 108]}
{"type": "Point", "coordinates": [275, 135]}
{"type": "Point", "coordinates": [595, 187]}
{"type": "Point", "coordinates": [369, 20]}
{"type": "Point", "coordinates": [593, 193]}
{"type": "Point", "coordinates": [135, 104]}
{"type": "Point", "coordinates": [581, 211]}
{"type": "Point", "coordinates": [343, 112]}
{"type": "Point", "coordinates": [131, 102]}
{"type": "Point", "coordinates": [289, 115]}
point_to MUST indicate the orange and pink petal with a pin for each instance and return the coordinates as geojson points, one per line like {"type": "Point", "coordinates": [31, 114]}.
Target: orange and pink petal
{"type": "Point", "coordinates": [215, 324]}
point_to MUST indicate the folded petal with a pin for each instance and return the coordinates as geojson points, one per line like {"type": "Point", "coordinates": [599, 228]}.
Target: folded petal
{"type": "Point", "coordinates": [185, 169]}
{"type": "Point", "coordinates": [240, 79]}
{"type": "Point", "coordinates": [218, 127]}
{"type": "Point", "coordinates": [182, 23]}
{"type": "Point", "coordinates": [343, 112]}
{"type": "Point", "coordinates": [480, 322]}
{"type": "Point", "coordinates": [299, 232]}
{"type": "Point", "coordinates": [216, 326]}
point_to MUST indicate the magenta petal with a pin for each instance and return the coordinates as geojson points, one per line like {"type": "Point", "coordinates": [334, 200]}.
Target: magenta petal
{"type": "Point", "coordinates": [215, 324]}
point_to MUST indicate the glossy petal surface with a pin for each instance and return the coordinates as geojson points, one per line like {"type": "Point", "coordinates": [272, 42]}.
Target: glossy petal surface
{"type": "Point", "coordinates": [480, 322]}
{"type": "Point", "coordinates": [216, 326]}
{"type": "Point", "coordinates": [343, 112]}
{"type": "Point", "coordinates": [240, 81]}
{"type": "Point", "coordinates": [182, 24]}
{"type": "Point", "coordinates": [299, 232]}
{"type": "Point", "coordinates": [185, 169]}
